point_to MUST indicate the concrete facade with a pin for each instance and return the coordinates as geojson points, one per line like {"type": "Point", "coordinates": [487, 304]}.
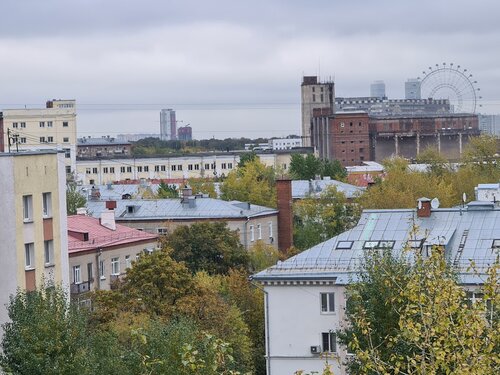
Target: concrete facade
{"type": "Point", "coordinates": [34, 229]}
{"type": "Point", "coordinates": [40, 129]}
{"type": "Point", "coordinates": [314, 95]}
{"type": "Point", "coordinates": [105, 146]}
{"type": "Point", "coordinates": [377, 90]}
{"type": "Point", "coordinates": [168, 125]}
{"type": "Point", "coordinates": [412, 89]}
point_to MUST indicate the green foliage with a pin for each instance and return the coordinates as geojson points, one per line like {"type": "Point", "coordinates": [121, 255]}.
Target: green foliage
{"type": "Point", "coordinates": [74, 199]}
{"type": "Point", "coordinates": [437, 163]}
{"type": "Point", "coordinates": [421, 323]}
{"type": "Point", "coordinates": [167, 191]}
{"type": "Point", "coordinates": [203, 186]}
{"type": "Point", "coordinates": [247, 157]}
{"type": "Point", "coordinates": [262, 256]}
{"type": "Point", "coordinates": [207, 246]}
{"type": "Point", "coordinates": [318, 219]}
{"type": "Point", "coordinates": [46, 335]}
{"type": "Point", "coordinates": [253, 183]}
{"type": "Point", "coordinates": [308, 167]}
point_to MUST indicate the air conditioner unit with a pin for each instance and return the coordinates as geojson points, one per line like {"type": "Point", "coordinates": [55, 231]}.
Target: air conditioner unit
{"type": "Point", "coordinates": [315, 349]}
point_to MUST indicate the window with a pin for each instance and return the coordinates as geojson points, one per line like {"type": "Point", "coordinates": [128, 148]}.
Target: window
{"type": "Point", "coordinates": [14, 125]}
{"type": "Point", "coordinates": [23, 140]}
{"type": "Point", "coordinates": [259, 231]}
{"type": "Point", "coordinates": [122, 169]}
{"type": "Point", "coordinates": [179, 167]}
{"type": "Point", "coordinates": [42, 139]}
{"type": "Point", "coordinates": [174, 168]}
{"type": "Point", "coordinates": [157, 168]}
{"type": "Point", "coordinates": [329, 340]}
{"type": "Point", "coordinates": [66, 139]}
{"type": "Point", "coordinates": [88, 170]}
{"type": "Point", "coordinates": [146, 168]}
{"type": "Point", "coordinates": [68, 169]}
{"type": "Point", "coordinates": [65, 124]}
{"type": "Point", "coordinates": [67, 153]}
{"type": "Point", "coordinates": [42, 124]}
{"type": "Point", "coordinates": [94, 170]}
{"type": "Point", "coordinates": [252, 234]}
{"type": "Point", "coordinates": [223, 166]}
{"type": "Point", "coordinates": [115, 266]}
{"type": "Point", "coordinates": [47, 204]}
{"type": "Point", "coordinates": [229, 165]}
{"type": "Point", "coordinates": [77, 277]}
{"type": "Point", "coordinates": [23, 124]}
{"type": "Point", "coordinates": [163, 168]}
{"type": "Point", "coordinates": [49, 252]}
{"type": "Point", "coordinates": [90, 272]}
{"type": "Point", "coordinates": [49, 124]}
{"type": "Point", "coordinates": [29, 255]}
{"type": "Point", "coordinates": [314, 97]}
{"type": "Point", "coordinates": [111, 169]}
{"type": "Point", "coordinates": [270, 229]}
{"type": "Point", "coordinates": [139, 169]}
{"type": "Point", "coordinates": [386, 244]}
{"type": "Point", "coordinates": [196, 167]}
{"type": "Point", "coordinates": [128, 261]}
{"type": "Point", "coordinates": [327, 302]}
{"type": "Point", "coordinates": [495, 244]}
{"type": "Point", "coordinates": [105, 170]}
{"type": "Point", "coordinates": [28, 208]}
{"type": "Point", "coordinates": [101, 269]}
{"type": "Point", "coordinates": [207, 166]}
{"type": "Point", "coordinates": [129, 169]}
{"type": "Point", "coordinates": [370, 244]}
{"type": "Point", "coordinates": [161, 230]}
{"type": "Point", "coordinates": [344, 244]}
{"type": "Point", "coordinates": [190, 167]}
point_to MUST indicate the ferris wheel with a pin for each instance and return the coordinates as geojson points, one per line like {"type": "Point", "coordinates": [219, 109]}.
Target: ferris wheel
{"type": "Point", "coordinates": [452, 82]}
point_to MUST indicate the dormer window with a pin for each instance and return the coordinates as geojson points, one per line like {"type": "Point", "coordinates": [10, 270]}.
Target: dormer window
{"type": "Point", "coordinates": [130, 209]}
{"type": "Point", "coordinates": [344, 245]}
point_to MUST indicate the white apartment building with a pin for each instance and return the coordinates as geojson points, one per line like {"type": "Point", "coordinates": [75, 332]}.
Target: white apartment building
{"type": "Point", "coordinates": [305, 295]}
{"type": "Point", "coordinates": [33, 234]}
{"type": "Point", "coordinates": [206, 165]}
{"type": "Point", "coordinates": [285, 143]}
{"type": "Point", "coordinates": [41, 129]}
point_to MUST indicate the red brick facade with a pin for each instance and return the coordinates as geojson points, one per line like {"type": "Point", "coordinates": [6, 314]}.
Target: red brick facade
{"type": "Point", "coordinates": [285, 215]}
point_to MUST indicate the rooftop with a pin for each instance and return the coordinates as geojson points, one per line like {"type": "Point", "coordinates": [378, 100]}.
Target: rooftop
{"type": "Point", "coordinates": [304, 188]}
{"type": "Point", "coordinates": [470, 233]}
{"type": "Point", "coordinates": [103, 141]}
{"type": "Point", "coordinates": [100, 236]}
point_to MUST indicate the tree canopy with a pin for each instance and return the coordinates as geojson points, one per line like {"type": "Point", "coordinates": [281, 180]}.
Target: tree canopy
{"type": "Point", "coordinates": [309, 167]}
{"type": "Point", "coordinates": [74, 199]}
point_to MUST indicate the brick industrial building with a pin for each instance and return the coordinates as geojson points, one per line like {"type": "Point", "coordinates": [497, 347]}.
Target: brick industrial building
{"type": "Point", "coordinates": [353, 137]}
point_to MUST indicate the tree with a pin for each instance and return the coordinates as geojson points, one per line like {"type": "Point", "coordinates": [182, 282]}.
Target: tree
{"type": "Point", "coordinates": [262, 256]}
{"type": "Point", "coordinates": [247, 157]}
{"type": "Point", "coordinates": [46, 335]}
{"type": "Point", "coordinates": [253, 183]}
{"type": "Point", "coordinates": [203, 186]}
{"type": "Point", "coordinates": [309, 167]}
{"type": "Point", "coordinates": [318, 219]}
{"type": "Point", "coordinates": [74, 199]}
{"type": "Point", "coordinates": [167, 191]}
{"type": "Point", "coordinates": [437, 164]}
{"type": "Point", "coordinates": [207, 246]}
{"type": "Point", "coordinates": [431, 327]}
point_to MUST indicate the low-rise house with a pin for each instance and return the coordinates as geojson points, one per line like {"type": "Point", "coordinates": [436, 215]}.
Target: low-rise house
{"type": "Point", "coordinates": [161, 216]}
{"type": "Point", "coordinates": [101, 250]}
{"type": "Point", "coordinates": [305, 295]}
{"type": "Point", "coordinates": [88, 147]}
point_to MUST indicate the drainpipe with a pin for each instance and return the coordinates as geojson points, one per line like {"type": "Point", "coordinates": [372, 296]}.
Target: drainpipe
{"type": "Point", "coordinates": [98, 276]}
{"type": "Point", "coordinates": [266, 317]}
{"type": "Point", "coordinates": [245, 233]}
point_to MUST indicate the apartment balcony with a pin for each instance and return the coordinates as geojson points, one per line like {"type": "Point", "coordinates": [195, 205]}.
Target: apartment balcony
{"type": "Point", "coordinates": [80, 287]}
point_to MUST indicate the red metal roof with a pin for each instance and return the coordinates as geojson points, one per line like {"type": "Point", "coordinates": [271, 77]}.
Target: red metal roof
{"type": "Point", "coordinates": [99, 236]}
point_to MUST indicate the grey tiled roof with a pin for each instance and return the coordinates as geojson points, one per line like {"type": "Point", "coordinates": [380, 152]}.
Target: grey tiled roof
{"type": "Point", "coordinates": [116, 191]}
{"type": "Point", "coordinates": [303, 188]}
{"type": "Point", "coordinates": [467, 234]}
{"type": "Point", "coordinates": [173, 209]}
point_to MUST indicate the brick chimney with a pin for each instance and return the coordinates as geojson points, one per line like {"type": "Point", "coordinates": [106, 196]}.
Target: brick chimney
{"type": "Point", "coordinates": [110, 205]}
{"type": "Point", "coordinates": [423, 207]}
{"type": "Point", "coordinates": [285, 215]}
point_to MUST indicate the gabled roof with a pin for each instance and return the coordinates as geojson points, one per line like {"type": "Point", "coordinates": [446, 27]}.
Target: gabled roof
{"type": "Point", "coordinates": [304, 188]}
{"type": "Point", "coordinates": [100, 236]}
{"type": "Point", "coordinates": [174, 209]}
{"type": "Point", "coordinates": [466, 233]}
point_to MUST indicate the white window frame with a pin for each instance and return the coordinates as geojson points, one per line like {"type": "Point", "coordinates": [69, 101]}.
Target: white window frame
{"type": "Point", "coordinates": [332, 341]}
{"type": "Point", "coordinates": [48, 247]}
{"type": "Point", "coordinates": [270, 229]}
{"type": "Point", "coordinates": [102, 269]}
{"type": "Point", "coordinates": [27, 208]}
{"type": "Point", "coordinates": [252, 234]}
{"type": "Point", "coordinates": [115, 266]}
{"type": "Point", "coordinates": [29, 256]}
{"type": "Point", "coordinates": [77, 275]}
{"type": "Point", "coordinates": [327, 302]}
{"type": "Point", "coordinates": [128, 261]}
{"type": "Point", "coordinates": [47, 204]}
{"type": "Point", "coordinates": [259, 231]}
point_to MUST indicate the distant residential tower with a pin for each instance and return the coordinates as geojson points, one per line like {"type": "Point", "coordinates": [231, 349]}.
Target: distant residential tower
{"type": "Point", "coordinates": [412, 89]}
{"type": "Point", "coordinates": [377, 89]}
{"type": "Point", "coordinates": [168, 125]}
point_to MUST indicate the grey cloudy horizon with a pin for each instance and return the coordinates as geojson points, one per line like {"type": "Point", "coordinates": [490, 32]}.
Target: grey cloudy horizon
{"type": "Point", "coordinates": [231, 68]}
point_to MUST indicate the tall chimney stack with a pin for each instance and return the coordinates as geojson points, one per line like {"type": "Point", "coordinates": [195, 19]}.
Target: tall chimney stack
{"type": "Point", "coordinates": [285, 214]}
{"type": "Point", "coordinates": [423, 207]}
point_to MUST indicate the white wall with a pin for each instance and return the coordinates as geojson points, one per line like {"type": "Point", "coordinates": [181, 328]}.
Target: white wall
{"type": "Point", "coordinates": [295, 324]}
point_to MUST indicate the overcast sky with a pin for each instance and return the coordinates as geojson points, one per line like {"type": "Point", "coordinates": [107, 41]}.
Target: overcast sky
{"type": "Point", "coordinates": [231, 68]}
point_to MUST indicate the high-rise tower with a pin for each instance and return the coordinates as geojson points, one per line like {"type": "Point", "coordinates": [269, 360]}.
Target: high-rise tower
{"type": "Point", "coordinates": [168, 125]}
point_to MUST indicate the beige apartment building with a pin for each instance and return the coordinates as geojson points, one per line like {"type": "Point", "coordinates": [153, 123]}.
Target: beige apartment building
{"type": "Point", "coordinates": [52, 127]}
{"type": "Point", "coordinates": [100, 251]}
{"type": "Point", "coordinates": [33, 232]}
{"type": "Point", "coordinates": [102, 171]}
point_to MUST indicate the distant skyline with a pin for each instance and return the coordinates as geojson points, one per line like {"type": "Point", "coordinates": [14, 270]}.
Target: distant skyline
{"type": "Point", "coordinates": [228, 68]}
